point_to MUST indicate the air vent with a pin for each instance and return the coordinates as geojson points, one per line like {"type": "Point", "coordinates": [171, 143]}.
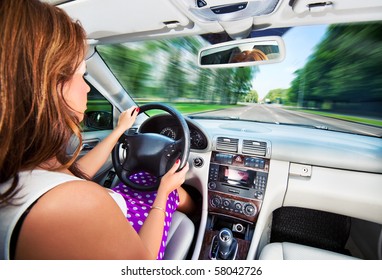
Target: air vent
{"type": "Point", "coordinates": [227, 144]}
{"type": "Point", "coordinates": [254, 147]}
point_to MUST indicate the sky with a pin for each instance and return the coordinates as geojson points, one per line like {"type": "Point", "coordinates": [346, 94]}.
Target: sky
{"type": "Point", "coordinates": [299, 44]}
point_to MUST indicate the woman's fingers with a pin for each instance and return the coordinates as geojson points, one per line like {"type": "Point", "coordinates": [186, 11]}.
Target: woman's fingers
{"type": "Point", "coordinates": [128, 117]}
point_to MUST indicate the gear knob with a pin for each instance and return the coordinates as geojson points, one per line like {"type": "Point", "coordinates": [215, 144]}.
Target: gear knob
{"type": "Point", "coordinates": [225, 241]}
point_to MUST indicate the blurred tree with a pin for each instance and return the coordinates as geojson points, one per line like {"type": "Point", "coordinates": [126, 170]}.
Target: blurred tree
{"type": "Point", "coordinates": [127, 64]}
{"type": "Point", "coordinates": [344, 69]}
{"type": "Point", "coordinates": [241, 82]}
{"type": "Point", "coordinates": [252, 97]}
{"type": "Point", "coordinates": [175, 80]}
{"type": "Point", "coordinates": [204, 85]}
{"type": "Point", "coordinates": [279, 96]}
{"type": "Point", "coordinates": [167, 69]}
{"type": "Point", "coordinates": [223, 86]}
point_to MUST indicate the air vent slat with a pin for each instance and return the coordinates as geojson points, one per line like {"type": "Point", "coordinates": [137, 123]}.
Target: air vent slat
{"type": "Point", "coordinates": [227, 144]}
{"type": "Point", "coordinates": [254, 147]}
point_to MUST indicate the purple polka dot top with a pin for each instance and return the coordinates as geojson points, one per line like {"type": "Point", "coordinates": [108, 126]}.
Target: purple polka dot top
{"type": "Point", "coordinates": [139, 205]}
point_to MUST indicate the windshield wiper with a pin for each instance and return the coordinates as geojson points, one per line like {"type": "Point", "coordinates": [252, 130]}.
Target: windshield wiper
{"type": "Point", "coordinates": [323, 127]}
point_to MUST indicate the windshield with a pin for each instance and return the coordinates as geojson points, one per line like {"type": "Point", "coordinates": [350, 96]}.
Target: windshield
{"type": "Point", "coordinates": [330, 79]}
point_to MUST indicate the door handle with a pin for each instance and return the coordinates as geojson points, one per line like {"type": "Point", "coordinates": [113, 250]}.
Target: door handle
{"type": "Point", "coordinates": [89, 145]}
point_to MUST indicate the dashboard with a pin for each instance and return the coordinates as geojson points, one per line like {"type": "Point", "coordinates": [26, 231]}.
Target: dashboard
{"type": "Point", "coordinates": [251, 169]}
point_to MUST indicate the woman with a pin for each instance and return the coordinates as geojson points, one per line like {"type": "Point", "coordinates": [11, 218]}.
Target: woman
{"type": "Point", "coordinates": [49, 207]}
{"type": "Point", "coordinates": [249, 55]}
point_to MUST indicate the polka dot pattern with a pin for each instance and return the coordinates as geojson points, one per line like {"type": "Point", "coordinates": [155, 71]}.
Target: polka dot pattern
{"type": "Point", "coordinates": [139, 205]}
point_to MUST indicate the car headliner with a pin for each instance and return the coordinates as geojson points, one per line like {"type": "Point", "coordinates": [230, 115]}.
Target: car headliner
{"type": "Point", "coordinates": [123, 21]}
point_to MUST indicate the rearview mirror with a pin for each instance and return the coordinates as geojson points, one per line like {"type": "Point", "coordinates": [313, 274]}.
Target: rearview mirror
{"type": "Point", "coordinates": [246, 52]}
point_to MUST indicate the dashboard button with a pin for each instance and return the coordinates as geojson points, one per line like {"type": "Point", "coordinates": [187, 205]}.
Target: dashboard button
{"type": "Point", "coordinates": [238, 206]}
{"type": "Point", "coordinates": [250, 209]}
{"type": "Point", "coordinates": [226, 203]}
{"type": "Point", "coordinates": [216, 201]}
{"type": "Point", "coordinates": [212, 185]}
{"type": "Point", "coordinates": [198, 162]}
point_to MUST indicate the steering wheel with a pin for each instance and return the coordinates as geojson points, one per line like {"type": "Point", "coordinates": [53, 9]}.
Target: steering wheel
{"type": "Point", "coordinates": [151, 153]}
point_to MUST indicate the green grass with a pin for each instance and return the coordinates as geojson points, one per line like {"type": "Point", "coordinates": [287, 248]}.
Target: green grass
{"type": "Point", "coordinates": [183, 107]}
{"type": "Point", "coordinates": [357, 119]}
{"type": "Point", "coordinates": [191, 108]}
{"type": "Point", "coordinates": [99, 105]}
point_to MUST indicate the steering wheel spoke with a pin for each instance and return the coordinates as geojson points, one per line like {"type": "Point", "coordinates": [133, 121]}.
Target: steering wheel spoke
{"type": "Point", "coordinates": [127, 165]}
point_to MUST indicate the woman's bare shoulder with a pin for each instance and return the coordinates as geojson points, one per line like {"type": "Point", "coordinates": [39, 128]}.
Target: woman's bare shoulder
{"type": "Point", "coordinates": [75, 195]}
{"type": "Point", "coordinates": [77, 220]}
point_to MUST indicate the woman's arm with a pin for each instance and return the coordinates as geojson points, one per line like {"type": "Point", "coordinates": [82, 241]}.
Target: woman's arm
{"type": "Point", "coordinates": [94, 159]}
{"type": "Point", "coordinates": [79, 220]}
{"type": "Point", "coordinates": [170, 181]}
{"type": "Point", "coordinates": [186, 203]}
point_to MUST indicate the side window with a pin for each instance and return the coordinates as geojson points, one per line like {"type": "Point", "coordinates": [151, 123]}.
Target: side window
{"type": "Point", "coordinates": [99, 113]}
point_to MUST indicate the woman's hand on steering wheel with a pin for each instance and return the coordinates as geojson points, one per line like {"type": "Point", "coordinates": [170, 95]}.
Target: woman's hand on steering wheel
{"type": "Point", "coordinates": [172, 179]}
{"type": "Point", "coordinates": [127, 119]}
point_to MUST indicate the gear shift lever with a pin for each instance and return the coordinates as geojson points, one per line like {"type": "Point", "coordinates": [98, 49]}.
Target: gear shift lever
{"type": "Point", "coordinates": [224, 245]}
{"type": "Point", "coordinates": [225, 242]}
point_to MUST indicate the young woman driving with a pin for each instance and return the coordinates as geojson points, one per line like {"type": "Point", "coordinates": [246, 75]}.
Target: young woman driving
{"type": "Point", "coordinates": [50, 209]}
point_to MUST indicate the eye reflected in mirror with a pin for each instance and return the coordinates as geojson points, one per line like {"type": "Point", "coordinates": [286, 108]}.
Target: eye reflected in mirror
{"type": "Point", "coordinates": [239, 53]}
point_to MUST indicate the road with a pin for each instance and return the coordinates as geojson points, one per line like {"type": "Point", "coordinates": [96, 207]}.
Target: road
{"type": "Point", "coordinates": [276, 113]}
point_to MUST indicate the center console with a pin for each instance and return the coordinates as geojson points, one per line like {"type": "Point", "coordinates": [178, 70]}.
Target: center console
{"type": "Point", "coordinates": [236, 188]}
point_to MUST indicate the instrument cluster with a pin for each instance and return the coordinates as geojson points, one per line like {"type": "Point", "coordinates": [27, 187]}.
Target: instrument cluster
{"type": "Point", "coordinates": [165, 125]}
{"type": "Point", "coordinates": [198, 141]}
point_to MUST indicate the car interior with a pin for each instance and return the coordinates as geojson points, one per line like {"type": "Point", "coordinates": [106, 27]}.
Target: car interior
{"type": "Point", "coordinates": [263, 190]}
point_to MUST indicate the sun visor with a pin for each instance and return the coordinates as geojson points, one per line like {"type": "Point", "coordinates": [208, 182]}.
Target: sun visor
{"type": "Point", "coordinates": [142, 16]}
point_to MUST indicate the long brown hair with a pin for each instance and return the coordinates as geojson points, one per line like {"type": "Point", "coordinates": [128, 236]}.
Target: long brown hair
{"type": "Point", "coordinates": [40, 49]}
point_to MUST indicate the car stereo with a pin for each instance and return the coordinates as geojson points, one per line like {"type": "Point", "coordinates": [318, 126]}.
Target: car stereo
{"type": "Point", "coordinates": [237, 184]}
{"type": "Point", "coordinates": [239, 175]}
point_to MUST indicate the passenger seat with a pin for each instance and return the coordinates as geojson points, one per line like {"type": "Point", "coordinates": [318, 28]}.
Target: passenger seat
{"type": "Point", "coordinates": [180, 237]}
{"type": "Point", "coordinates": [293, 251]}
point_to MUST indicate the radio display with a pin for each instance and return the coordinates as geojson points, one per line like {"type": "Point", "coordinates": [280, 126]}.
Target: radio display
{"type": "Point", "coordinates": [239, 177]}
